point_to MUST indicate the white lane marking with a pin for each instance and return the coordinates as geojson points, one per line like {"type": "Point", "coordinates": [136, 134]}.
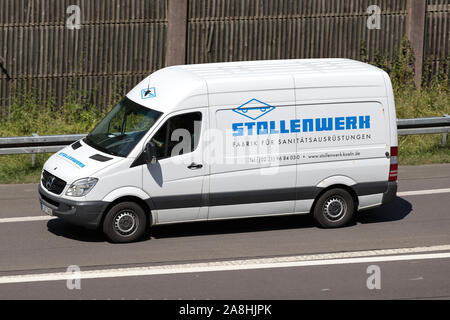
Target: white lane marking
{"type": "Point", "coordinates": [422, 192]}
{"type": "Point", "coordinates": [244, 264]}
{"type": "Point", "coordinates": [26, 219]}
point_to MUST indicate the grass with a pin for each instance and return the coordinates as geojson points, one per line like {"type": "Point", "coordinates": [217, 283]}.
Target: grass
{"type": "Point", "coordinates": [28, 115]}
{"type": "Point", "coordinates": [17, 168]}
{"type": "Point", "coordinates": [429, 102]}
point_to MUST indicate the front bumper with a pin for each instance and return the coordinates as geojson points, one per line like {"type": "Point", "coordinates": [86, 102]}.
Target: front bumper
{"type": "Point", "coordinates": [83, 213]}
{"type": "Point", "coordinates": [391, 193]}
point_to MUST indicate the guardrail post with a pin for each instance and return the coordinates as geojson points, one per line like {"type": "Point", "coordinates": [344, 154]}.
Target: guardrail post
{"type": "Point", "coordinates": [444, 135]}
{"type": "Point", "coordinates": [33, 155]}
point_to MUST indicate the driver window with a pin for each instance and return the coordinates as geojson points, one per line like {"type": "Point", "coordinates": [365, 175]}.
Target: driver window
{"type": "Point", "coordinates": [174, 132]}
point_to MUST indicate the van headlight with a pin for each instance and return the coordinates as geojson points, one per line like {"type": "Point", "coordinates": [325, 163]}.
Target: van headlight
{"type": "Point", "coordinates": [81, 187]}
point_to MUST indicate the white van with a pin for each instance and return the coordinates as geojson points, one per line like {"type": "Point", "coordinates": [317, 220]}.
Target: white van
{"type": "Point", "coordinates": [232, 140]}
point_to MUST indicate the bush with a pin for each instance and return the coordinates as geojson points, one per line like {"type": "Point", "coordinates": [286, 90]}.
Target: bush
{"type": "Point", "coordinates": [28, 114]}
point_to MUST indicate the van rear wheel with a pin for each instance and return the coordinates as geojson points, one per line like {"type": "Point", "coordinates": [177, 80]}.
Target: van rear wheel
{"type": "Point", "coordinates": [125, 222]}
{"type": "Point", "coordinates": [334, 208]}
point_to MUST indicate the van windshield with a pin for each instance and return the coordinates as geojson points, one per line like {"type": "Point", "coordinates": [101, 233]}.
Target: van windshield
{"type": "Point", "coordinates": [122, 128]}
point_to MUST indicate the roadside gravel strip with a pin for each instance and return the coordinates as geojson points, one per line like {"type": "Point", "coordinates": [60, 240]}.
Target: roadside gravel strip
{"type": "Point", "coordinates": [383, 255]}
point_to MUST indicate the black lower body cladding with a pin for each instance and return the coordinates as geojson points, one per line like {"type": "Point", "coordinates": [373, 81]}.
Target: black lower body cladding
{"type": "Point", "coordinates": [83, 213]}
{"type": "Point", "coordinates": [260, 196]}
{"type": "Point", "coordinates": [391, 193]}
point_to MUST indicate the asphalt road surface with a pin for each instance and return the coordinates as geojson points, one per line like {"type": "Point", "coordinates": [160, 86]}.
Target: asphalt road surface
{"type": "Point", "coordinates": [398, 251]}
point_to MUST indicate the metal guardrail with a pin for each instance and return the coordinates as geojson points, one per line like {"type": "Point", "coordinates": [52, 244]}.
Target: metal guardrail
{"type": "Point", "coordinates": [37, 144]}
{"type": "Point", "coordinates": [49, 144]}
{"type": "Point", "coordinates": [425, 126]}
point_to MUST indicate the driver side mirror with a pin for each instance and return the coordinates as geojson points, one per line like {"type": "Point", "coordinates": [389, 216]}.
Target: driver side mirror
{"type": "Point", "coordinates": [150, 153]}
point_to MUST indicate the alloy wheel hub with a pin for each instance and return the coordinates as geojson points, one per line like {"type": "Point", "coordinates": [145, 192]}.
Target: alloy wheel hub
{"type": "Point", "coordinates": [334, 208]}
{"type": "Point", "coordinates": [125, 223]}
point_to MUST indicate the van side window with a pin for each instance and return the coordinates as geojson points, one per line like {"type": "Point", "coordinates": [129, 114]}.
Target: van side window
{"type": "Point", "coordinates": [178, 135]}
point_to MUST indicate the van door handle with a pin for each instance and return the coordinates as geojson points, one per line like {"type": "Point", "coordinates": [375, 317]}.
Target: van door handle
{"type": "Point", "coordinates": [194, 166]}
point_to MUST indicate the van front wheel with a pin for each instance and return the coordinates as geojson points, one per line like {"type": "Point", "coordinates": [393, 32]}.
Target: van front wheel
{"type": "Point", "coordinates": [334, 208]}
{"type": "Point", "coordinates": [124, 222]}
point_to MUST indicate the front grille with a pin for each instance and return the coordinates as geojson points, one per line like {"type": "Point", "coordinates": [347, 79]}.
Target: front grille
{"type": "Point", "coordinates": [50, 201]}
{"type": "Point", "coordinates": [53, 184]}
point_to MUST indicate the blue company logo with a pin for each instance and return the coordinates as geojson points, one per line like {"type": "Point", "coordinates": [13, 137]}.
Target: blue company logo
{"type": "Point", "coordinates": [301, 125]}
{"type": "Point", "coordinates": [256, 110]}
{"type": "Point", "coordinates": [148, 93]}
{"type": "Point", "coordinates": [78, 163]}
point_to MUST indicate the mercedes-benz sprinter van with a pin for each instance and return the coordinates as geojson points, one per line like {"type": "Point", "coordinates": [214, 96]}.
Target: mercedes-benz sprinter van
{"type": "Point", "coordinates": [232, 140]}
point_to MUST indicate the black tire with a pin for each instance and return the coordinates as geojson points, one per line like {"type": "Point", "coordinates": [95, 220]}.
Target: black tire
{"type": "Point", "coordinates": [125, 222]}
{"type": "Point", "coordinates": [334, 208]}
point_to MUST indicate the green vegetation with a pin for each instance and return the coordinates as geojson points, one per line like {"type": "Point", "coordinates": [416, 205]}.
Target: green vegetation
{"type": "Point", "coordinates": [17, 168]}
{"type": "Point", "coordinates": [433, 100]}
{"type": "Point", "coordinates": [29, 115]}
{"type": "Point", "coordinates": [429, 102]}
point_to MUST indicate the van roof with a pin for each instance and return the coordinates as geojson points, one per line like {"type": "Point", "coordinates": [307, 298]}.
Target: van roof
{"type": "Point", "coordinates": [268, 68]}
{"type": "Point", "coordinates": [185, 86]}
